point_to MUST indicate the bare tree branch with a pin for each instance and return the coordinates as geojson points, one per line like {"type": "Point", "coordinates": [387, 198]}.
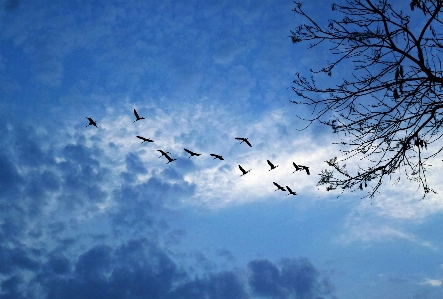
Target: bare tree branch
{"type": "Point", "coordinates": [389, 108]}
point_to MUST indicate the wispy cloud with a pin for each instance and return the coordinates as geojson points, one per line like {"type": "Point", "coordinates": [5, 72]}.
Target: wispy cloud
{"type": "Point", "coordinates": [209, 130]}
{"type": "Point", "coordinates": [433, 282]}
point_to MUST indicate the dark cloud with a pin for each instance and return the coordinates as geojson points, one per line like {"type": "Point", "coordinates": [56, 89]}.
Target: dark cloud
{"type": "Point", "coordinates": [295, 278]}
{"type": "Point", "coordinates": [222, 285]}
{"type": "Point", "coordinates": [57, 264]}
{"type": "Point", "coordinates": [137, 205]}
{"type": "Point", "coordinates": [134, 164]}
{"type": "Point", "coordinates": [49, 198]}
{"type": "Point", "coordinates": [265, 279]}
{"type": "Point", "coordinates": [9, 177]}
{"type": "Point", "coordinates": [226, 254]}
{"type": "Point", "coordinates": [27, 148]}
{"type": "Point", "coordinates": [15, 258]}
{"type": "Point", "coordinates": [136, 269]}
{"type": "Point", "coordinates": [141, 269]}
{"type": "Point", "coordinates": [185, 165]}
{"type": "Point", "coordinates": [11, 288]}
{"type": "Point", "coordinates": [171, 173]}
{"type": "Point", "coordinates": [94, 264]}
{"type": "Point", "coordinates": [38, 195]}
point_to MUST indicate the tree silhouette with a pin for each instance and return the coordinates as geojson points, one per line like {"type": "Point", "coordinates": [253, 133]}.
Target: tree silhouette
{"type": "Point", "coordinates": [388, 109]}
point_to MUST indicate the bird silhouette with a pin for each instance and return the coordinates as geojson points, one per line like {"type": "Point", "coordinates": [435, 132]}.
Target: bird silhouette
{"type": "Point", "coordinates": [301, 167]}
{"type": "Point", "coordinates": [145, 139]}
{"type": "Point", "coordinates": [278, 187]}
{"type": "Point", "coordinates": [136, 116]}
{"type": "Point", "coordinates": [306, 168]}
{"type": "Point", "coordinates": [216, 156]}
{"type": "Point", "coordinates": [272, 165]}
{"type": "Point", "coordinates": [290, 191]}
{"type": "Point", "coordinates": [166, 155]}
{"type": "Point", "coordinates": [244, 171]}
{"type": "Point", "coordinates": [91, 122]}
{"type": "Point", "coordinates": [244, 140]}
{"type": "Point", "coordinates": [297, 168]}
{"type": "Point", "coordinates": [191, 153]}
{"type": "Point", "coordinates": [163, 153]}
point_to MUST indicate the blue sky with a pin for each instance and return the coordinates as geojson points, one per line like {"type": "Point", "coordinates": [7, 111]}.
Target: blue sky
{"type": "Point", "coordinates": [91, 212]}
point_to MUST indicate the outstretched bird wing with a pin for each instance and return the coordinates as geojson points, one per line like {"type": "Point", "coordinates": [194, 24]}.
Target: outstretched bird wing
{"type": "Point", "coordinates": [145, 139]}
{"type": "Point", "coordinates": [289, 189]}
{"type": "Point", "coordinates": [241, 168]}
{"type": "Point", "coordinates": [307, 170]}
{"type": "Point", "coordinates": [136, 114]}
{"type": "Point", "coordinates": [270, 164]}
{"type": "Point", "coordinates": [244, 140]}
{"type": "Point", "coordinates": [91, 122]}
{"type": "Point", "coordinates": [186, 150]}
{"type": "Point", "coordinates": [278, 186]}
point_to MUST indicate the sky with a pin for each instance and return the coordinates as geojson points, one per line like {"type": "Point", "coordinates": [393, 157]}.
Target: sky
{"type": "Point", "coordinates": [90, 212]}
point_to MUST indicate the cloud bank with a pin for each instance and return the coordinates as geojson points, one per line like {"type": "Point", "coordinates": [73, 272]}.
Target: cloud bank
{"type": "Point", "coordinates": [72, 226]}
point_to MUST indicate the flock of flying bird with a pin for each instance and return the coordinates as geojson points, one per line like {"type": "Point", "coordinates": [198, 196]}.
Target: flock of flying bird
{"type": "Point", "coordinates": [191, 153]}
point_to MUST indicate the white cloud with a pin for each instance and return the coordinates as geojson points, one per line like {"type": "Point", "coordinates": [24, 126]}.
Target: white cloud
{"type": "Point", "coordinates": [208, 130]}
{"type": "Point", "coordinates": [368, 226]}
{"type": "Point", "coordinates": [211, 129]}
{"type": "Point", "coordinates": [433, 282]}
{"type": "Point", "coordinates": [373, 232]}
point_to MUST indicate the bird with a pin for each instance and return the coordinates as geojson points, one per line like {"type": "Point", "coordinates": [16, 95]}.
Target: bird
{"type": "Point", "coordinates": [244, 140]}
{"type": "Point", "coordinates": [169, 159]}
{"type": "Point", "coordinates": [279, 187]}
{"type": "Point", "coordinates": [166, 155]}
{"type": "Point", "coordinates": [163, 153]}
{"type": "Point", "coordinates": [306, 168]}
{"type": "Point", "coordinates": [136, 116]}
{"type": "Point", "coordinates": [91, 122]}
{"type": "Point", "coordinates": [216, 156]}
{"type": "Point", "coordinates": [290, 191]}
{"type": "Point", "coordinates": [244, 171]}
{"type": "Point", "coordinates": [301, 167]}
{"type": "Point", "coordinates": [272, 165]}
{"type": "Point", "coordinates": [191, 153]}
{"type": "Point", "coordinates": [145, 139]}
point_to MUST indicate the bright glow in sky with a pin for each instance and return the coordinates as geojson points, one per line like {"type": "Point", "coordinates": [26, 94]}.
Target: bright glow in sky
{"type": "Point", "coordinates": [91, 212]}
